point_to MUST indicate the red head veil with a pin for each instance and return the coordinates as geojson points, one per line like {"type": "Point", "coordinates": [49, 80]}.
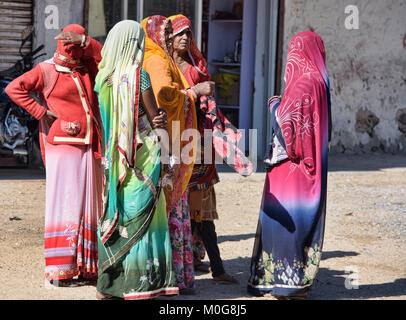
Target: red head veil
{"type": "Point", "coordinates": [67, 54]}
{"type": "Point", "coordinates": [199, 73]}
{"type": "Point", "coordinates": [304, 112]}
{"type": "Point", "coordinates": [225, 135]}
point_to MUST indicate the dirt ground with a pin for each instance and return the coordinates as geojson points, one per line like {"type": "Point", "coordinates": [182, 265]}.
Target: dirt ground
{"type": "Point", "coordinates": [365, 235]}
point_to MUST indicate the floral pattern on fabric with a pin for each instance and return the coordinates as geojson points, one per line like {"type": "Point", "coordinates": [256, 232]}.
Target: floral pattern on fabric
{"type": "Point", "coordinates": [268, 266]}
{"type": "Point", "coordinates": [296, 273]}
{"type": "Point", "coordinates": [199, 251]}
{"type": "Point", "coordinates": [226, 137]}
{"type": "Point", "coordinates": [181, 242]}
{"type": "Point", "coordinates": [71, 222]}
{"type": "Point", "coordinates": [312, 265]}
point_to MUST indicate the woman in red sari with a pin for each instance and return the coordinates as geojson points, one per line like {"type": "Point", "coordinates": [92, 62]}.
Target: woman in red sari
{"type": "Point", "coordinates": [70, 145]}
{"type": "Point", "coordinates": [202, 197]}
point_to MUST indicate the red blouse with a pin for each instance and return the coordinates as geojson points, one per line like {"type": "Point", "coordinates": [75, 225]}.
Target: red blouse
{"type": "Point", "coordinates": [68, 93]}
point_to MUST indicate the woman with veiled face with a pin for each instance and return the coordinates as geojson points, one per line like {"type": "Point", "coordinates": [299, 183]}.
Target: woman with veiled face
{"type": "Point", "coordinates": [70, 145]}
{"type": "Point", "coordinates": [289, 240]}
{"type": "Point", "coordinates": [135, 258]}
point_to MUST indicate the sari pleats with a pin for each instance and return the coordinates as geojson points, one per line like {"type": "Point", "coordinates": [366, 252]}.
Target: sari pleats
{"type": "Point", "coordinates": [136, 261]}
{"type": "Point", "coordinates": [73, 191]}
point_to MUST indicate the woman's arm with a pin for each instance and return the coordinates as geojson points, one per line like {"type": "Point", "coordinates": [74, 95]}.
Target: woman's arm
{"type": "Point", "coordinates": [19, 91]}
{"type": "Point", "coordinates": [91, 48]}
{"type": "Point", "coordinates": [157, 117]}
{"type": "Point", "coordinates": [205, 88]}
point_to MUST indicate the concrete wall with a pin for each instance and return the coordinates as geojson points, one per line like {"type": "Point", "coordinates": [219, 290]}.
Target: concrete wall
{"type": "Point", "coordinates": [50, 17]}
{"type": "Point", "coordinates": [367, 69]}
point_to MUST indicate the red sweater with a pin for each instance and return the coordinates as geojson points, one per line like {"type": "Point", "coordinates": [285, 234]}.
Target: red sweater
{"type": "Point", "coordinates": [69, 94]}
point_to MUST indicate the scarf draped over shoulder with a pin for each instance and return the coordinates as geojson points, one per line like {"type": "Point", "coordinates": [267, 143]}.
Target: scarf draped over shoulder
{"type": "Point", "coordinates": [226, 137]}
{"type": "Point", "coordinates": [169, 86]}
{"type": "Point", "coordinates": [304, 113]}
{"type": "Point", "coordinates": [118, 88]}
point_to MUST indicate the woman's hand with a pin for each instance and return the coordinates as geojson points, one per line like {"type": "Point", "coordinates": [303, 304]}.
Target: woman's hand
{"type": "Point", "coordinates": [161, 120]}
{"type": "Point", "coordinates": [70, 37]}
{"type": "Point", "coordinates": [51, 116]}
{"type": "Point", "coordinates": [204, 88]}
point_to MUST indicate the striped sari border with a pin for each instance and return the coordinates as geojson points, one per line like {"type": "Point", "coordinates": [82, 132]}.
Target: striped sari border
{"type": "Point", "coordinates": [278, 286]}
{"type": "Point", "coordinates": [152, 294]}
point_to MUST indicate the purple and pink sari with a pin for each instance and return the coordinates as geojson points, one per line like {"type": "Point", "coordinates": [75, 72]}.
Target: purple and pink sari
{"type": "Point", "coordinates": [287, 249]}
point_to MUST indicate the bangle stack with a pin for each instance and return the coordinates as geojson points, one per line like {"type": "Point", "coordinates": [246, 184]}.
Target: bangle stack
{"type": "Point", "coordinates": [173, 160]}
{"type": "Point", "coordinates": [83, 40]}
{"type": "Point", "coordinates": [193, 92]}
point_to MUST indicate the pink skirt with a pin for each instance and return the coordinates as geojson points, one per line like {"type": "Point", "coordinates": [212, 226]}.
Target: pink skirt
{"type": "Point", "coordinates": [73, 209]}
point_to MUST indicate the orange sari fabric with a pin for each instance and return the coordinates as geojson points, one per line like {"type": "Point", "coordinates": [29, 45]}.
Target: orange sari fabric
{"type": "Point", "coordinates": [169, 86]}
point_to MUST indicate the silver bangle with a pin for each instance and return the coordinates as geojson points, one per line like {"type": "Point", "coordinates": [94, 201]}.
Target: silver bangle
{"type": "Point", "coordinates": [173, 160]}
{"type": "Point", "coordinates": [83, 40]}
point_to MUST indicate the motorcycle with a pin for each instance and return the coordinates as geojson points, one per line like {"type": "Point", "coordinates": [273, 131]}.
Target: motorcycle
{"type": "Point", "coordinates": [18, 129]}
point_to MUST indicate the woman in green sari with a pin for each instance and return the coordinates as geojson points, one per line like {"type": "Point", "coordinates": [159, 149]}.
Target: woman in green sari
{"type": "Point", "coordinates": [135, 260]}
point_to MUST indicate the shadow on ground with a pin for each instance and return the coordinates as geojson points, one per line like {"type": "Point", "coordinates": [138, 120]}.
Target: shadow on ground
{"type": "Point", "coordinates": [338, 254]}
{"type": "Point", "coordinates": [337, 285]}
{"type": "Point", "coordinates": [236, 237]}
{"type": "Point", "coordinates": [341, 285]}
{"type": "Point", "coordinates": [366, 162]}
{"type": "Point", "coordinates": [15, 173]}
{"type": "Point", "coordinates": [329, 284]}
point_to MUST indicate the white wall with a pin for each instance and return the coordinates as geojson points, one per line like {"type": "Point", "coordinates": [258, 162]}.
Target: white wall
{"type": "Point", "coordinates": [367, 68]}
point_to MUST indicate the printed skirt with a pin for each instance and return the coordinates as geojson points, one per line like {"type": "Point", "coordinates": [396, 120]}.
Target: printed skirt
{"type": "Point", "coordinates": [181, 241]}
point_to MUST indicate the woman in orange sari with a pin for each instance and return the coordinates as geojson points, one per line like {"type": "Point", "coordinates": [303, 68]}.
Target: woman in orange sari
{"type": "Point", "coordinates": [171, 93]}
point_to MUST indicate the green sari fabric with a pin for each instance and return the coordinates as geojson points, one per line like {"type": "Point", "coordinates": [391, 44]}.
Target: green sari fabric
{"type": "Point", "coordinates": [134, 251]}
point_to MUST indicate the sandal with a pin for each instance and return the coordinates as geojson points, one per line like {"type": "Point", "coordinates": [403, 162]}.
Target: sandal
{"type": "Point", "coordinates": [64, 283]}
{"type": "Point", "coordinates": [201, 266]}
{"type": "Point", "coordinates": [225, 278]}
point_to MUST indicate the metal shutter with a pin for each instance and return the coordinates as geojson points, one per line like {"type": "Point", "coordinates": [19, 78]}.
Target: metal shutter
{"type": "Point", "coordinates": [15, 16]}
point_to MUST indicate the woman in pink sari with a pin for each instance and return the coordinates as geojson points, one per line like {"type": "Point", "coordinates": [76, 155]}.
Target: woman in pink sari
{"type": "Point", "coordinates": [287, 249]}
